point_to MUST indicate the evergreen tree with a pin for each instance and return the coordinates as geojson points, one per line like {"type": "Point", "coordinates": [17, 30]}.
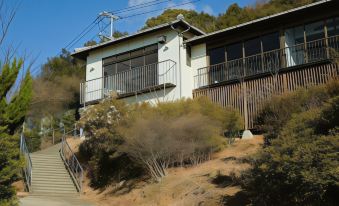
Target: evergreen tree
{"type": "Point", "coordinates": [13, 109]}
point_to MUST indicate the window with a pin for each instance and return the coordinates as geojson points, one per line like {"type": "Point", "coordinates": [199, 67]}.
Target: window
{"type": "Point", "coordinates": [234, 51]}
{"type": "Point", "coordinates": [252, 47]}
{"type": "Point", "coordinates": [137, 62]}
{"type": "Point", "coordinates": [129, 60]}
{"type": "Point", "coordinates": [332, 27]}
{"type": "Point", "coordinates": [217, 55]}
{"type": "Point", "coordinates": [151, 58]}
{"type": "Point", "coordinates": [123, 66]}
{"type": "Point", "coordinates": [270, 42]}
{"type": "Point", "coordinates": [110, 70]}
{"type": "Point", "coordinates": [315, 31]}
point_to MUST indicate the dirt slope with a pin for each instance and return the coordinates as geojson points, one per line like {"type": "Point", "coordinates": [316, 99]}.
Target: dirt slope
{"type": "Point", "coordinates": [205, 184]}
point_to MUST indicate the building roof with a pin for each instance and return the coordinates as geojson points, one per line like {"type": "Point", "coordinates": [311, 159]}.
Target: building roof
{"type": "Point", "coordinates": [203, 38]}
{"type": "Point", "coordinates": [83, 52]}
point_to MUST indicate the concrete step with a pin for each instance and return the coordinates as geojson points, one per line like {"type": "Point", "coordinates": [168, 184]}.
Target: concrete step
{"type": "Point", "coordinates": [48, 169]}
{"type": "Point", "coordinates": [54, 187]}
{"type": "Point", "coordinates": [54, 193]}
{"type": "Point", "coordinates": [52, 182]}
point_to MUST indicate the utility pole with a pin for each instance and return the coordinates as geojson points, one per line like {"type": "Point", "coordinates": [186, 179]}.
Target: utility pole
{"type": "Point", "coordinates": [112, 19]}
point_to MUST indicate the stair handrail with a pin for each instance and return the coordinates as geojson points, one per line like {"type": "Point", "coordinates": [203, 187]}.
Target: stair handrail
{"type": "Point", "coordinates": [72, 163]}
{"type": "Point", "coordinates": [27, 170]}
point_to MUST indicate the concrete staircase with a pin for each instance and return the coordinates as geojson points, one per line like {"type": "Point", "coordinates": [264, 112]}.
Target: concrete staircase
{"type": "Point", "coordinates": [49, 174]}
{"type": "Point", "coordinates": [51, 183]}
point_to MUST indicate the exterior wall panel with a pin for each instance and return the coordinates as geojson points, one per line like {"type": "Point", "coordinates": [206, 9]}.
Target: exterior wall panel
{"type": "Point", "coordinates": [261, 89]}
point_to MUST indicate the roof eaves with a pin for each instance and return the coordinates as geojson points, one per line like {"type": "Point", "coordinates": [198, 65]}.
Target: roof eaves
{"type": "Point", "coordinates": [256, 20]}
{"type": "Point", "coordinates": [84, 49]}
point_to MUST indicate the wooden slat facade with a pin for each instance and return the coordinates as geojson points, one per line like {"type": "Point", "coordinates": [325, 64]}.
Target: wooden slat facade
{"type": "Point", "coordinates": [262, 88]}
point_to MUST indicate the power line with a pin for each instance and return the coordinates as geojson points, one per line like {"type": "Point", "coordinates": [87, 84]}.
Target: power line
{"type": "Point", "coordinates": [84, 30]}
{"type": "Point", "coordinates": [139, 7]}
{"type": "Point", "coordinates": [182, 4]}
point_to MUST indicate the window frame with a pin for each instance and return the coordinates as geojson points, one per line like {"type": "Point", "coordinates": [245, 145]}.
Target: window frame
{"type": "Point", "coordinates": [146, 50]}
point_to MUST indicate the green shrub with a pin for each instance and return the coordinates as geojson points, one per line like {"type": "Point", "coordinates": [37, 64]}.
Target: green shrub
{"type": "Point", "coordinates": [33, 140]}
{"type": "Point", "coordinates": [105, 162]}
{"type": "Point", "coordinates": [301, 166]}
{"type": "Point", "coordinates": [178, 133]}
{"type": "Point", "coordinates": [278, 110]}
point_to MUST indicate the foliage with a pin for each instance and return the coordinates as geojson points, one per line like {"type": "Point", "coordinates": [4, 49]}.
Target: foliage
{"type": "Point", "coordinates": [157, 142]}
{"type": "Point", "coordinates": [101, 150]}
{"type": "Point", "coordinates": [233, 15]}
{"type": "Point", "coordinates": [33, 139]}
{"type": "Point", "coordinates": [277, 111]}
{"type": "Point", "coordinates": [300, 167]}
{"type": "Point", "coordinates": [10, 165]}
{"type": "Point", "coordinates": [178, 133]}
{"type": "Point", "coordinates": [13, 109]}
{"type": "Point", "coordinates": [202, 20]}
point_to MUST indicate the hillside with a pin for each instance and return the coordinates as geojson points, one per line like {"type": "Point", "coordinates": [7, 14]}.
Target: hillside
{"type": "Point", "coordinates": [205, 184]}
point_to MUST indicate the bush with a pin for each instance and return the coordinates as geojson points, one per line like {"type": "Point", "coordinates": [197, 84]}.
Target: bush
{"type": "Point", "coordinates": [125, 140]}
{"type": "Point", "coordinates": [33, 140]}
{"type": "Point", "coordinates": [105, 162]}
{"type": "Point", "coordinates": [277, 111]}
{"type": "Point", "coordinates": [158, 142]}
{"type": "Point", "coordinates": [300, 167]}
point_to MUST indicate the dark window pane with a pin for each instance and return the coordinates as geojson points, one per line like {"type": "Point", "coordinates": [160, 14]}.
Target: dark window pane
{"type": "Point", "coordinates": [109, 60]}
{"type": "Point", "coordinates": [137, 53]}
{"type": "Point", "coordinates": [123, 56]}
{"type": "Point", "coordinates": [137, 62]}
{"type": "Point", "coordinates": [109, 69]}
{"type": "Point", "coordinates": [294, 36]}
{"type": "Point", "coordinates": [123, 66]}
{"type": "Point", "coordinates": [217, 55]}
{"type": "Point", "coordinates": [315, 31]}
{"type": "Point", "coordinates": [270, 42]}
{"type": "Point", "coordinates": [234, 51]}
{"type": "Point", "coordinates": [151, 58]}
{"type": "Point", "coordinates": [252, 47]}
{"type": "Point", "coordinates": [152, 48]}
{"type": "Point", "coordinates": [331, 30]}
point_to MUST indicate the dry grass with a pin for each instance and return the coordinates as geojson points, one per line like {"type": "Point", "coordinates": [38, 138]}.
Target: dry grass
{"type": "Point", "coordinates": [204, 184]}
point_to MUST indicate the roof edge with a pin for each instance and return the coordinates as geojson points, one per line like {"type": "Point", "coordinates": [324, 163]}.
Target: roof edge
{"type": "Point", "coordinates": [256, 20]}
{"type": "Point", "coordinates": [80, 51]}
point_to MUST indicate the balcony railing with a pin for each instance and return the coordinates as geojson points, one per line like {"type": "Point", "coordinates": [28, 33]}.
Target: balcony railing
{"type": "Point", "coordinates": [135, 80]}
{"type": "Point", "coordinates": [268, 62]}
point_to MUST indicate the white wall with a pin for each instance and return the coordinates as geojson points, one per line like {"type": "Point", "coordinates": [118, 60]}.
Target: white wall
{"type": "Point", "coordinates": [198, 60]}
{"type": "Point", "coordinates": [167, 51]}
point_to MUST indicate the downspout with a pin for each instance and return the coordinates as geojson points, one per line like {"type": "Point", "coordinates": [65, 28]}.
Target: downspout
{"type": "Point", "coordinates": [180, 34]}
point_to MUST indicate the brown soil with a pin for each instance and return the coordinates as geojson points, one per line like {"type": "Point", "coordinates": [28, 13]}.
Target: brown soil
{"type": "Point", "coordinates": [205, 184]}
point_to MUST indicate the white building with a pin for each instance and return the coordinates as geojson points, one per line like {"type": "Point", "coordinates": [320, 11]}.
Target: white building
{"type": "Point", "coordinates": [239, 66]}
{"type": "Point", "coordinates": [150, 65]}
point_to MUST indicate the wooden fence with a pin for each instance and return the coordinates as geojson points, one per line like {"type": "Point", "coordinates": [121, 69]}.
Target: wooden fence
{"type": "Point", "coordinates": [262, 88]}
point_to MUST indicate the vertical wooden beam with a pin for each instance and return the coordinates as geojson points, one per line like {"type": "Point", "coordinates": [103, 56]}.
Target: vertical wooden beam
{"type": "Point", "coordinates": [282, 40]}
{"type": "Point", "coordinates": [326, 40]}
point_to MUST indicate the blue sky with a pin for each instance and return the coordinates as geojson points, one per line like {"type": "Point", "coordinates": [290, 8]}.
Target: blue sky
{"type": "Point", "coordinates": [42, 27]}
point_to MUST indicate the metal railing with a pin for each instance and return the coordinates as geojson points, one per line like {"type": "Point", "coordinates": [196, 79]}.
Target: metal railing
{"type": "Point", "coordinates": [268, 62]}
{"type": "Point", "coordinates": [72, 163]}
{"type": "Point", "coordinates": [27, 170]}
{"type": "Point", "coordinates": [129, 81]}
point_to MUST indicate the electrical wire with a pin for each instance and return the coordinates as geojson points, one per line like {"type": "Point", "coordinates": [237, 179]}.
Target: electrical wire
{"type": "Point", "coordinates": [182, 4]}
{"type": "Point", "coordinates": [137, 5]}
{"type": "Point", "coordinates": [140, 7]}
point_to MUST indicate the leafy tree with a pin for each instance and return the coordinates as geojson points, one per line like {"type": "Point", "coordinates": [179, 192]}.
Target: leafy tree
{"type": "Point", "coordinates": [12, 114]}
{"type": "Point", "coordinates": [201, 20]}
{"type": "Point", "coordinates": [232, 16]}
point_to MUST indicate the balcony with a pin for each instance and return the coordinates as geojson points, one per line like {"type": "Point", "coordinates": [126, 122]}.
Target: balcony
{"type": "Point", "coordinates": [270, 62]}
{"type": "Point", "coordinates": [134, 81]}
